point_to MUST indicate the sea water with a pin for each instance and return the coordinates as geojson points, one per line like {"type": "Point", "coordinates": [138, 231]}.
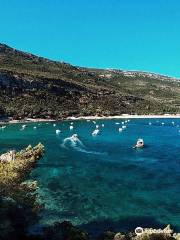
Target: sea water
{"type": "Point", "coordinates": [100, 182]}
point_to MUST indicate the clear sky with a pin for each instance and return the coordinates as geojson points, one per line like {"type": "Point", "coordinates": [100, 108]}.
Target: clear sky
{"type": "Point", "coordinates": [124, 34]}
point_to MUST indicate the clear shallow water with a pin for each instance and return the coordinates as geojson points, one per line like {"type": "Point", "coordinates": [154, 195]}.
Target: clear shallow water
{"type": "Point", "coordinates": [104, 182]}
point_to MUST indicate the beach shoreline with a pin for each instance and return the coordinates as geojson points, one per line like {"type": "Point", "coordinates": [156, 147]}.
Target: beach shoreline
{"type": "Point", "coordinates": [123, 116]}
{"type": "Point", "coordinates": [26, 120]}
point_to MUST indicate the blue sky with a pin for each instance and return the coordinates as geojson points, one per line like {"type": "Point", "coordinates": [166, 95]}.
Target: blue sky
{"type": "Point", "coordinates": [124, 34]}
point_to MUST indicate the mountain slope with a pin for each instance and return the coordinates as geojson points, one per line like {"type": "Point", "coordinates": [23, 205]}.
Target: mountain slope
{"type": "Point", "coordinates": [32, 86]}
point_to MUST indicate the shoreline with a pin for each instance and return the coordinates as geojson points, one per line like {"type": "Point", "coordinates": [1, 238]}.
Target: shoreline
{"type": "Point", "coordinates": [123, 116]}
{"type": "Point", "coordinates": [26, 120]}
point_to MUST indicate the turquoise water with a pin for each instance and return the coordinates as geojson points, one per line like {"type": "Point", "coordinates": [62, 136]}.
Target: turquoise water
{"type": "Point", "coordinates": [102, 182]}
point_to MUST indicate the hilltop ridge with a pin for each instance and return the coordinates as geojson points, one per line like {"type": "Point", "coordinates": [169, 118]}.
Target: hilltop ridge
{"type": "Point", "coordinates": [33, 86]}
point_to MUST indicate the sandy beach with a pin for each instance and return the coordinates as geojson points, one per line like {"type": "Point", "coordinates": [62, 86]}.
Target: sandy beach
{"type": "Point", "coordinates": [124, 116]}
{"type": "Point", "coordinates": [27, 120]}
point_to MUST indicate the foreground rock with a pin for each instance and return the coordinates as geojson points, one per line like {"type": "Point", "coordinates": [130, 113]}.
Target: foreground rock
{"type": "Point", "coordinates": [145, 234]}
{"type": "Point", "coordinates": [8, 157]}
{"type": "Point", "coordinates": [15, 166]}
{"type": "Point", "coordinates": [18, 201]}
{"type": "Point", "coordinates": [66, 231]}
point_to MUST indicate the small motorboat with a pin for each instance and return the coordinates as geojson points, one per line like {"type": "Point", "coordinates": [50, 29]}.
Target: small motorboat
{"type": "Point", "coordinates": [71, 127]}
{"type": "Point", "coordinates": [139, 143]}
{"type": "Point", "coordinates": [95, 132]}
{"type": "Point", "coordinates": [23, 127]}
{"type": "Point", "coordinates": [74, 138]}
{"type": "Point", "coordinates": [58, 131]}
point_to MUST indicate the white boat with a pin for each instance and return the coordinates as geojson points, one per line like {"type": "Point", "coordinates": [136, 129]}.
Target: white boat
{"type": "Point", "coordinates": [139, 143]}
{"type": "Point", "coordinates": [58, 131]}
{"type": "Point", "coordinates": [95, 132]}
{"type": "Point", "coordinates": [71, 127]}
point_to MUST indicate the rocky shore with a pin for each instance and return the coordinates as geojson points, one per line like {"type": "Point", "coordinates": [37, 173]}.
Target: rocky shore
{"type": "Point", "coordinates": [15, 166]}
{"type": "Point", "coordinates": [66, 231]}
{"type": "Point", "coordinates": [18, 205]}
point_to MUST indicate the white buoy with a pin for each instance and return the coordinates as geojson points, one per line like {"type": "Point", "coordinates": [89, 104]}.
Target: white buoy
{"type": "Point", "coordinates": [122, 123]}
{"type": "Point", "coordinates": [102, 125]}
{"type": "Point", "coordinates": [58, 131]}
{"type": "Point", "coordinates": [34, 127]}
{"type": "Point", "coordinates": [71, 127]}
{"type": "Point", "coordinates": [97, 126]}
{"type": "Point", "coordinates": [162, 123]}
{"type": "Point", "coordinates": [72, 123]}
{"type": "Point", "coordinates": [120, 129]}
{"type": "Point", "coordinates": [150, 123]}
{"type": "Point", "coordinates": [172, 123]}
{"type": "Point", "coordinates": [123, 127]}
{"type": "Point", "coordinates": [54, 125]}
{"type": "Point", "coordinates": [117, 123]}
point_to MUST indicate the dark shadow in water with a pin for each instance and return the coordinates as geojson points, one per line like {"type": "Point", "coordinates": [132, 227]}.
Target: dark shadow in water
{"type": "Point", "coordinates": [96, 228]}
{"type": "Point", "coordinates": [15, 219]}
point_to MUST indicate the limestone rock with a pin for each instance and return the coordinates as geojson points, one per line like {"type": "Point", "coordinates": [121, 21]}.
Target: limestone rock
{"type": "Point", "coordinates": [119, 236]}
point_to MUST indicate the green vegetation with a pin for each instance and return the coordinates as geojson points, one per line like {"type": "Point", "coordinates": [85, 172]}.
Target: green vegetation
{"type": "Point", "coordinates": [32, 86]}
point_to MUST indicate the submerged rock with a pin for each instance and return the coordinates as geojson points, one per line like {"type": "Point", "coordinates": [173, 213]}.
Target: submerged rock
{"type": "Point", "coordinates": [64, 231]}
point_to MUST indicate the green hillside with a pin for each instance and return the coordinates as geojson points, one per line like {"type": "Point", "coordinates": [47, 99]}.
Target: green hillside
{"type": "Point", "coordinates": [32, 86]}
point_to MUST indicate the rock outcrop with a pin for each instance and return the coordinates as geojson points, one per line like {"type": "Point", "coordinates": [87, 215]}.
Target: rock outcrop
{"type": "Point", "coordinates": [145, 234]}
{"type": "Point", "coordinates": [18, 200]}
{"type": "Point", "coordinates": [15, 166]}
{"type": "Point", "coordinates": [8, 157]}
